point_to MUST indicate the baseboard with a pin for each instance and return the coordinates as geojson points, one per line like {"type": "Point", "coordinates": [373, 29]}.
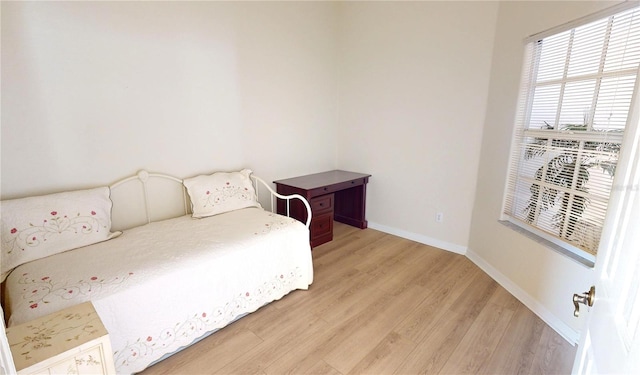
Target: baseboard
{"type": "Point", "coordinates": [454, 248]}
{"type": "Point", "coordinates": [568, 333]}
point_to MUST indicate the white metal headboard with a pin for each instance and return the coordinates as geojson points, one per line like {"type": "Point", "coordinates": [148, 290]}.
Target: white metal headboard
{"type": "Point", "coordinates": [147, 197]}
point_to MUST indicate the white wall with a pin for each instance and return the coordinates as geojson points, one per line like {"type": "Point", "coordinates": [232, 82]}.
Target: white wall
{"type": "Point", "coordinates": [414, 79]}
{"type": "Point", "coordinates": [94, 91]}
{"type": "Point", "coordinates": [419, 94]}
{"type": "Point", "coordinates": [542, 278]}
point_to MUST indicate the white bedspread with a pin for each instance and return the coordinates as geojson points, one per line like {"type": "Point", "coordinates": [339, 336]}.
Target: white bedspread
{"type": "Point", "coordinates": [162, 285]}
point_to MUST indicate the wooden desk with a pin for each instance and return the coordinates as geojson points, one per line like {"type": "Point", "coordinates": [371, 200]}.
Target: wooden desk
{"type": "Point", "coordinates": [334, 195]}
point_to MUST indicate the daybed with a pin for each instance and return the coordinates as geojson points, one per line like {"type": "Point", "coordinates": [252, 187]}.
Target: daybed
{"type": "Point", "coordinates": [162, 285]}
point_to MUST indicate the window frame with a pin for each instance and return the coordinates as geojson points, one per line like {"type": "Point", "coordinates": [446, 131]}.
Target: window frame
{"type": "Point", "coordinates": [521, 131]}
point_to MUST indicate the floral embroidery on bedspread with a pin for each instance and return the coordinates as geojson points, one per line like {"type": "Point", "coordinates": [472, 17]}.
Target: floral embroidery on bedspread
{"type": "Point", "coordinates": [184, 332]}
{"type": "Point", "coordinates": [46, 290]}
{"type": "Point", "coordinates": [276, 222]}
{"type": "Point", "coordinates": [53, 225]}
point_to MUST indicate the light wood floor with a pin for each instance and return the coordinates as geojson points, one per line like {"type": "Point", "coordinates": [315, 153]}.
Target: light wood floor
{"type": "Point", "coordinates": [381, 304]}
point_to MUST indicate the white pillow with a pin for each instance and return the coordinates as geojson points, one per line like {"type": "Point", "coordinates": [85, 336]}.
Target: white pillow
{"type": "Point", "coordinates": [36, 227]}
{"type": "Point", "coordinates": [221, 192]}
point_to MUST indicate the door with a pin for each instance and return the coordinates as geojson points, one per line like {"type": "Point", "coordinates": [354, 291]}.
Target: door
{"type": "Point", "coordinates": [610, 342]}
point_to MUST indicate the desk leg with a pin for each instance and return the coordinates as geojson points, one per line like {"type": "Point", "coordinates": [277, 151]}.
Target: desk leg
{"type": "Point", "coordinates": [350, 206]}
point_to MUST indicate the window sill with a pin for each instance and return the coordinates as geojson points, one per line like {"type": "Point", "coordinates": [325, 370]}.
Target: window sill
{"type": "Point", "coordinates": [546, 243]}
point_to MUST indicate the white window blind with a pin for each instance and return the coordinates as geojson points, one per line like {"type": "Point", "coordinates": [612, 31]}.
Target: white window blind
{"type": "Point", "coordinates": [577, 91]}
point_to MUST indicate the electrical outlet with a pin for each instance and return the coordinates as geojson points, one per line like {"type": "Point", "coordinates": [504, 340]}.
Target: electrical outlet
{"type": "Point", "coordinates": [439, 217]}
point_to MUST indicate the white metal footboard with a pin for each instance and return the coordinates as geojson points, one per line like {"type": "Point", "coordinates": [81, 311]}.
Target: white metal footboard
{"type": "Point", "coordinates": [287, 198]}
{"type": "Point", "coordinates": [147, 197]}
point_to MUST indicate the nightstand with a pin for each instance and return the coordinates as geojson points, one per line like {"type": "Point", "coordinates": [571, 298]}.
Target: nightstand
{"type": "Point", "coordinates": [71, 341]}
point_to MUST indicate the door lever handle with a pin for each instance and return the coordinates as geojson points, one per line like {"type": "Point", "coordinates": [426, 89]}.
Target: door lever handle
{"type": "Point", "coordinates": [585, 298]}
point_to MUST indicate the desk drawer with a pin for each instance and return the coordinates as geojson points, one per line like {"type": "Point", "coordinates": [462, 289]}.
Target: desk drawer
{"type": "Point", "coordinates": [336, 187]}
{"type": "Point", "coordinates": [321, 229]}
{"type": "Point", "coordinates": [321, 204]}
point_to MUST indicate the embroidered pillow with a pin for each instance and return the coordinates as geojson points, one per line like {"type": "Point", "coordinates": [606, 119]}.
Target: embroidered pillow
{"type": "Point", "coordinates": [36, 227]}
{"type": "Point", "coordinates": [221, 192]}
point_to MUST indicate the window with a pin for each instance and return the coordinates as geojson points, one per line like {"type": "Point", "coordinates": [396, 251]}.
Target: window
{"type": "Point", "coordinates": [577, 92]}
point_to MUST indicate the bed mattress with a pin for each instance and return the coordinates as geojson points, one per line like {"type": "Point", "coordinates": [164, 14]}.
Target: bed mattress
{"type": "Point", "coordinates": [159, 287]}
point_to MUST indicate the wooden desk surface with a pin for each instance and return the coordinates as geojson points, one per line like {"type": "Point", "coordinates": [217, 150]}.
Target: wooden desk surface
{"type": "Point", "coordinates": [317, 180]}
